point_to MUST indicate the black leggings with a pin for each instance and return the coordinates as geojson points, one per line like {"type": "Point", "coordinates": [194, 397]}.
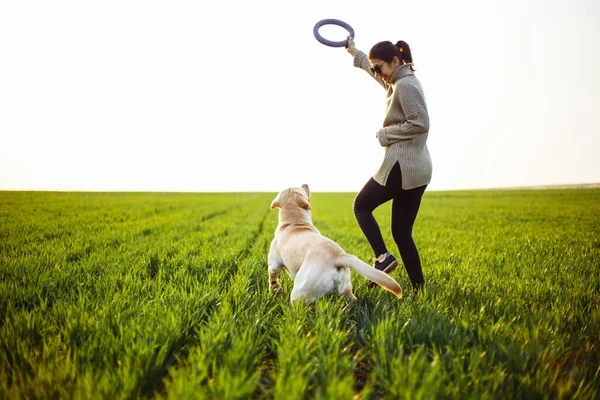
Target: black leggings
{"type": "Point", "coordinates": [405, 205]}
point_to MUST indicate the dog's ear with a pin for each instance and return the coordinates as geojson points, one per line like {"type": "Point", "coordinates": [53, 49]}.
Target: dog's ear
{"type": "Point", "coordinates": [276, 202]}
{"type": "Point", "coordinates": [306, 189]}
{"type": "Point", "coordinates": [302, 202]}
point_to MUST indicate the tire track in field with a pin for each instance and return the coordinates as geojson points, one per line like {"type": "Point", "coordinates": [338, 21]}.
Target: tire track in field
{"type": "Point", "coordinates": [81, 253]}
{"type": "Point", "coordinates": [212, 215]}
{"type": "Point", "coordinates": [244, 253]}
{"type": "Point", "coordinates": [155, 382]}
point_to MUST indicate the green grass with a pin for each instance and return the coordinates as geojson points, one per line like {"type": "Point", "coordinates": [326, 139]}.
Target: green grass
{"type": "Point", "coordinates": [150, 295]}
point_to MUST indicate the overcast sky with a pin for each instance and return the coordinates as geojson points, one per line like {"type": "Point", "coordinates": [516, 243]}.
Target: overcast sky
{"type": "Point", "coordinates": [239, 96]}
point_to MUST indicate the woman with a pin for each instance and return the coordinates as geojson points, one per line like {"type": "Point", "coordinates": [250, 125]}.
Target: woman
{"type": "Point", "coordinates": [406, 168]}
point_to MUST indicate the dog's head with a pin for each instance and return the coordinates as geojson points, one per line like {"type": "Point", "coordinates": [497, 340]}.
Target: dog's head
{"type": "Point", "coordinates": [294, 196]}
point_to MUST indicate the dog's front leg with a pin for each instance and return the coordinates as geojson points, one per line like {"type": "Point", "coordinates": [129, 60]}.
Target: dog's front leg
{"type": "Point", "coordinates": [275, 267]}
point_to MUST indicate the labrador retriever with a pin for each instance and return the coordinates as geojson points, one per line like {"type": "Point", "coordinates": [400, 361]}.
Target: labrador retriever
{"type": "Point", "coordinates": [316, 263]}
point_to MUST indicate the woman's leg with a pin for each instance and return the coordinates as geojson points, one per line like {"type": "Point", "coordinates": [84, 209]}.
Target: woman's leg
{"type": "Point", "coordinates": [371, 196]}
{"type": "Point", "coordinates": [405, 206]}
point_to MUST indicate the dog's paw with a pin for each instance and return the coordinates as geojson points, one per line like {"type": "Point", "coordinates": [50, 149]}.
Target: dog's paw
{"type": "Point", "coordinates": [276, 290]}
{"type": "Point", "coordinates": [351, 305]}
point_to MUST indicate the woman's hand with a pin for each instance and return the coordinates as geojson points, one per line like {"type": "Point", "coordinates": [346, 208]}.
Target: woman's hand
{"type": "Point", "coordinates": [350, 47]}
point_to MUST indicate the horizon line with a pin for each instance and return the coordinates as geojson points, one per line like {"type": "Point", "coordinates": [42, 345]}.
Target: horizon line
{"type": "Point", "coordinates": [592, 185]}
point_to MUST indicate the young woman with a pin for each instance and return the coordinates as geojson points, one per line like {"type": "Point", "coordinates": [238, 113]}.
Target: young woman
{"type": "Point", "coordinates": [406, 168]}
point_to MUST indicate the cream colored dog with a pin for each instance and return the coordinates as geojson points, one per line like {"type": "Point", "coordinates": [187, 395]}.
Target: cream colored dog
{"type": "Point", "coordinates": [316, 263]}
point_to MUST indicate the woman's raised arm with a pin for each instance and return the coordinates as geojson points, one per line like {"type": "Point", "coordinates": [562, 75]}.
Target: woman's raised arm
{"type": "Point", "coordinates": [362, 61]}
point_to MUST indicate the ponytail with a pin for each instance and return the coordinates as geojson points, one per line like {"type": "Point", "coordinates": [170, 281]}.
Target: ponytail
{"type": "Point", "coordinates": [405, 53]}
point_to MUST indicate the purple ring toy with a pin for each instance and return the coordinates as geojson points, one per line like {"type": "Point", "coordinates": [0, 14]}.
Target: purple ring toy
{"type": "Point", "coordinates": [331, 21]}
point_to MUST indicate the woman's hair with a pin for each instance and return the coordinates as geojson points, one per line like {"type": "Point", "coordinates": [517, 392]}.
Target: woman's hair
{"type": "Point", "coordinates": [386, 51]}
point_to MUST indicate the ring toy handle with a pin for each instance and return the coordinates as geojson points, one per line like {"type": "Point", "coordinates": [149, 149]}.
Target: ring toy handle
{"type": "Point", "coordinates": [332, 21]}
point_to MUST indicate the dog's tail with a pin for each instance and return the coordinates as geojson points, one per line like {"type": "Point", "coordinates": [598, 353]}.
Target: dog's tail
{"type": "Point", "coordinates": [381, 278]}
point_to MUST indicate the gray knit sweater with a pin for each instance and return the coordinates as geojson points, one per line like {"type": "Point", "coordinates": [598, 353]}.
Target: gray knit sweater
{"type": "Point", "coordinates": [405, 127]}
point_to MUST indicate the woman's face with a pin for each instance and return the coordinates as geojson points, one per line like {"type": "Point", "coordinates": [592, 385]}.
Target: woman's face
{"type": "Point", "coordinates": [383, 69]}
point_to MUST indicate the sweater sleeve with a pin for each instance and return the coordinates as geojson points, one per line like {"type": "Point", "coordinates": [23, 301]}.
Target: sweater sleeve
{"type": "Point", "coordinates": [414, 107]}
{"type": "Point", "coordinates": [362, 61]}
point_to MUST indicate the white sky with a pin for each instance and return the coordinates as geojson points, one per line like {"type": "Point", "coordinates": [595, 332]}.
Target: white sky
{"type": "Point", "coordinates": [239, 96]}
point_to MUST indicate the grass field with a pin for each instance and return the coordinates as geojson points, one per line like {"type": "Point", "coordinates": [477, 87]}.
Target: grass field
{"type": "Point", "coordinates": [149, 295]}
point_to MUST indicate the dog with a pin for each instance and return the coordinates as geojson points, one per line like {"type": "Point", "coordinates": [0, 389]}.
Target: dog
{"type": "Point", "coordinates": [317, 264]}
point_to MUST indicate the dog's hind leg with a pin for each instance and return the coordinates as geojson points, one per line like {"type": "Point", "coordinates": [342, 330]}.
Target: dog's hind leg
{"type": "Point", "coordinates": [305, 296]}
{"type": "Point", "coordinates": [308, 284]}
{"type": "Point", "coordinates": [346, 290]}
{"type": "Point", "coordinates": [350, 297]}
